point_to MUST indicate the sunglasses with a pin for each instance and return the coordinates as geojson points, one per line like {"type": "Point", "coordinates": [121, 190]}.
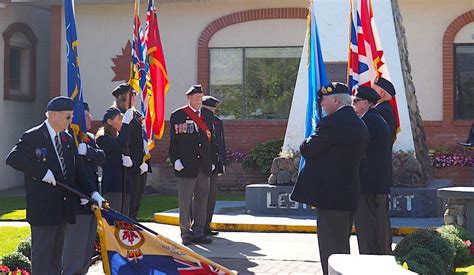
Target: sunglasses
{"type": "Point", "coordinates": [355, 100]}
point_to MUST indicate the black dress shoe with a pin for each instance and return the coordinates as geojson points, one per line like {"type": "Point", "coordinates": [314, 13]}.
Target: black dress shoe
{"type": "Point", "coordinates": [202, 240]}
{"type": "Point", "coordinates": [187, 240]}
{"type": "Point", "coordinates": [209, 232]}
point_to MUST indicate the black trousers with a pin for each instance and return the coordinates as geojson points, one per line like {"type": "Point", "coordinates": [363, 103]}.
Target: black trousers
{"type": "Point", "coordinates": [334, 230]}
{"type": "Point", "coordinates": [138, 186]}
{"type": "Point", "coordinates": [372, 222]}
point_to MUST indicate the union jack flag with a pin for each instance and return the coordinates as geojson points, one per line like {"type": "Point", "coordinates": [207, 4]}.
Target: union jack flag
{"type": "Point", "coordinates": [192, 268]}
{"type": "Point", "coordinates": [140, 72]}
{"type": "Point", "coordinates": [366, 56]}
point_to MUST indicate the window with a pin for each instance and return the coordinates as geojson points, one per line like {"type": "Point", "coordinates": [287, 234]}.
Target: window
{"type": "Point", "coordinates": [464, 81]}
{"type": "Point", "coordinates": [19, 67]}
{"type": "Point", "coordinates": [258, 83]}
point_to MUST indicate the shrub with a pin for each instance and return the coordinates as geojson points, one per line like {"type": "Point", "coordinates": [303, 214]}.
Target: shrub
{"type": "Point", "coordinates": [460, 232]}
{"type": "Point", "coordinates": [423, 261]}
{"type": "Point", "coordinates": [431, 241]}
{"type": "Point", "coordinates": [17, 260]}
{"type": "Point", "coordinates": [25, 247]}
{"type": "Point", "coordinates": [263, 154]}
{"type": "Point", "coordinates": [455, 236]}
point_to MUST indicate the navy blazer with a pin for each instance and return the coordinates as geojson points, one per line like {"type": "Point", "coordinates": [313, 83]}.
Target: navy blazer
{"type": "Point", "coordinates": [94, 158]}
{"type": "Point", "coordinates": [113, 170]}
{"type": "Point", "coordinates": [330, 176]}
{"type": "Point", "coordinates": [33, 155]}
{"type": "Point", "coordinates": [220, 140]}
{"type": "Point", "coordinates": [376, 167]}
{"type": "Point", "coordinates": [386, 111]}
{"type": "Point", "coordinates": [192, 147]}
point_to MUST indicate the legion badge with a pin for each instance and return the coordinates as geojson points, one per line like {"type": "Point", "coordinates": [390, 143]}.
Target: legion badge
{"type": "Point", "coordinates": [130, 238]}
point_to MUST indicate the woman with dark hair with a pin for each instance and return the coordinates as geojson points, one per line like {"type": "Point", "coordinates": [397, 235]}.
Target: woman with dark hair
{"type": "Point", "coordinates": [111, 138]}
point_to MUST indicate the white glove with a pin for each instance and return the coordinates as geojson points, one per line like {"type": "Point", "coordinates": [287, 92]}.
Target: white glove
{"type": "Point", "coordinates": [213, 167]}
{"type": "Point", "coordinates": [128, 116]}
{"type": "Point", "coordinates": [82, 149]}
{"type": "Point", "coordinates": [143, 168]}
{"type": "Point", "coordinates": [84, 201]}
{"type": "Point", "coordinates": [98, 198]}
{"type": "Point", "coordinates": [178, 166]}
{"type": "Point", "coordinates": [223, 169]}
{"type": "Point", "coordinates": [49, 178]}
{"type": "Point", "coordinates": [127, 161]}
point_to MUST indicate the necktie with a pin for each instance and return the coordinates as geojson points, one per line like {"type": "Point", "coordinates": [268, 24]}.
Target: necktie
{"type": "Point", "coordinates": [198, 113]}
{"type": "Point", "coordinates": [59, 148]}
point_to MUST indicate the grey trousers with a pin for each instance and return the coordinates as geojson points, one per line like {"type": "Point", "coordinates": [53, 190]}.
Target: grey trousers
{"type": "Point", "coordinates": [334, 231]}
{"type": "Point", "coordinates": [47, 243]}
{"type": "Point", "coordinates": [115, 201]}
{"type": "Point", "coordinates": [138, 186]}
{"type": "Point", "coordinates": [79, 245]}
{"type": "Point", "coordinates": [211, 201]}
{"type": "Point", "coordinates": [372, 221]}
{"type": "Point", "coordinates": [193, 195]}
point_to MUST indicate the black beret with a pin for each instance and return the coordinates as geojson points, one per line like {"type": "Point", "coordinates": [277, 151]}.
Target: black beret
{"type": "Point", "coordinates": [195, 89]}
{"type": "Point", "coordinates": [110, 114]}
{"type": "Point", "coordinates": [121, 89]}
{"type": "Point", "coordinates": [60, 103]}
{"type": "Point", "coordinates": [333, 88]}
{"type": "Point", "coordinates": [210, 101]}
{"type": "Point", "coordinates": [367, 93]}
{"type": "Point", "coordinates": [386, 85]}
{"type": "Point", "coordinates": [86, 106]}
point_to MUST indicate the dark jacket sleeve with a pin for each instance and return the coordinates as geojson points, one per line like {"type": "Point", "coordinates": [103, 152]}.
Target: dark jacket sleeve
{"type": "Point", "coordinates": [318, 142]}
{"type": "Point", "coordinates": [23, 157]}
{"type": "Point", "coordinates": [173, 150]}
{"type": "Point", "coordinates": [94, 154]}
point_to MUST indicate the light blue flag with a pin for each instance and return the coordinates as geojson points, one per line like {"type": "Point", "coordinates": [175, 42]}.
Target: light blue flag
{"type": "Point", "coordinates": [74, 87]}
{"type": "Point", "coordinates": [316, 76]}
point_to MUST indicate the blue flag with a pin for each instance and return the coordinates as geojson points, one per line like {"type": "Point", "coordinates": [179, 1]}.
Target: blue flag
{"type": "Point", "coordinates": [316, 75]}
{"type": "Point", "coordinates": [74, 87]}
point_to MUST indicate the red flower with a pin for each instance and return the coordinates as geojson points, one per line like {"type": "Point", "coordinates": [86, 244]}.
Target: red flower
{"type": "Point", "coordinates": [21, 272]}
{"type": "Point", "coordinates": [4, 269]}
{"type": "Point", "coordinates": [63, 138]}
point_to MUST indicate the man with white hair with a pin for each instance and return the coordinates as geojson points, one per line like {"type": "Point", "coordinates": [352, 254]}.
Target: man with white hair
{"type": "Point", "coordinates": [329, 180]}
{"type": "Point", "coordinates": [46, 154]}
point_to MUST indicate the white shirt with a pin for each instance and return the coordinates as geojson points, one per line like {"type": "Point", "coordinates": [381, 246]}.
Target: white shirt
{"type": "Point", "coordinates": [194, 110]}
{"type": "Point", "coordinates": [53, 134]}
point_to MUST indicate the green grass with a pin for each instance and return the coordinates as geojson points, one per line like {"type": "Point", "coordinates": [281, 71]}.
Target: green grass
{"type": "Point", "coordinates": [10, 237]}
{"type": "Point", "coordinates": [13, 209]}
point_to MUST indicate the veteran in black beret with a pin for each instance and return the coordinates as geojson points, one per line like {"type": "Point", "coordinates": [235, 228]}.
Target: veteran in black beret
{"type": "Point", "coordinates": [329, 180]}
{"type": "Point", "coordinates": [372, 218]}
{"type": "Point", "coordinates": [136, 146]}
{"type": "Point", "coordinates": [386, 90]}
{"type": "Point", "coordinates": [210, 103]}
{"type": "Point", "coordinates": [193, 153]}
{"type": "Point", "coordinates": [46, 154]}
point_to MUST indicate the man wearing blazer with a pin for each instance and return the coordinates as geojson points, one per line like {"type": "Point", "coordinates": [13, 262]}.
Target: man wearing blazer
{"type": "Point", "coordinates": [45, 154]}
{"type": "Point", "coordinates": [372, 219]}
{"type": "Point", "coordinates": [193, 152]}
{"type": "Point", "coordinates": [329, 180]}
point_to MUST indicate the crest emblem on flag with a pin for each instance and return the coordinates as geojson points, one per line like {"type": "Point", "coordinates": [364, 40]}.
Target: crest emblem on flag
{"type": "Point", "coordinates": [130, 238]}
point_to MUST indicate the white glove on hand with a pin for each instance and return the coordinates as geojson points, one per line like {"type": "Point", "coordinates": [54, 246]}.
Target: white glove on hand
{"type": "Point", "coordinates": [223, 169]}
{"type": "Point", "coordinates": [49, 178]}
{"type": "Point", "coordinates": [98, 198]}
{"type": "Point", "coordinates": [84, 201]}
{"type": "Point", "coordinates": [128, 116]}
{"type": "Point", "coordinates": [82, 149]}
{"type": "Point", "coordinates": [178, 166]}
{"type": "Point", "coordinates": [213, 167]}
{"type": "Point", "coordinates": [143, 168]}
{"type": "Point", "coordinates": [127, 161]}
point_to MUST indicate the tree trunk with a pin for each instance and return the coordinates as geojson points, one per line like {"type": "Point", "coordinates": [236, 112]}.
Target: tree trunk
{"type": "Point", "coordinates": [419, 137]}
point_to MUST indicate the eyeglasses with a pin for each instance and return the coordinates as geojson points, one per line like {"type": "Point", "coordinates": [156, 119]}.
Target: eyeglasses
{"type": "Point", "coordinates": [355, 100]}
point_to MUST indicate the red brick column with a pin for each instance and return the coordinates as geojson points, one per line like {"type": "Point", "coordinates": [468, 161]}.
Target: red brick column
{"type": "Point", "coordinates": [235, 18]}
